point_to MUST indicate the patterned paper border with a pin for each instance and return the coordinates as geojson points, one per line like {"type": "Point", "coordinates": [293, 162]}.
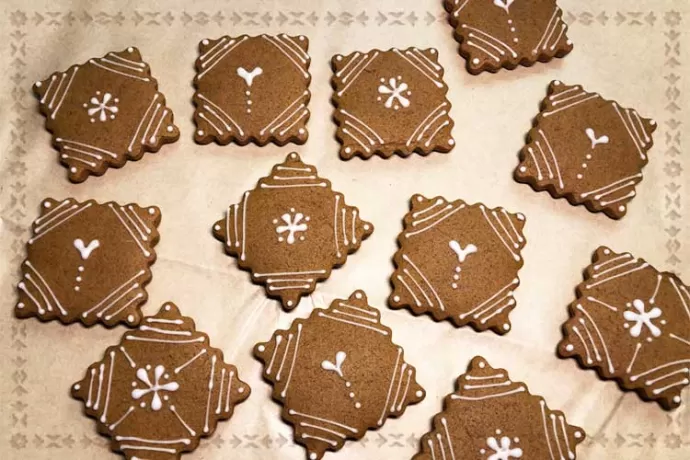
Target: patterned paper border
{"type": "Point", "coordinates": [15, 206]}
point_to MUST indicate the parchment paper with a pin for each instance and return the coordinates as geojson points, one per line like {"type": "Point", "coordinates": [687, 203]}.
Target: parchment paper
{"type": "Point", "coordinates": [633, 51]}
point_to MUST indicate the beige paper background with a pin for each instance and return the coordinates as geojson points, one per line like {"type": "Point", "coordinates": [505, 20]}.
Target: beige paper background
{"type": "Point", "coordinates": [633, 51]}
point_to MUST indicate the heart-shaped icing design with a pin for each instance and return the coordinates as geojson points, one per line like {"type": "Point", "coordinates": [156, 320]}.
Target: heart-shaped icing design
{"type": "Point", "coordinates": [249, 77]}
{"type": "Point", "coordinates": [85, 251]}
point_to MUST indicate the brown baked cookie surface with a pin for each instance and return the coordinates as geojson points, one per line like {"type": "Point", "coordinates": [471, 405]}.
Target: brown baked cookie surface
{"type": "Point", "coordinates": [586, 149]}
{"type": "Point", "coordinates": [88, 262]}
{"type": "Point", "coordinates": [338, 374]}
{"type": "Point", "coordinates": [105, 112]}
{"type": "Point", "coordinates": [631, 323]}
{"type": "Point", "coordinates": [458, 262]}
{"type": "Point", "coordinates": [507, 33]}
{"type": "Point", "coordinates": [252, 89]}
{"type": "Point", "coordinates": [161, 389]}
{"type": "Point", "coordinates": [491, 417]}
{"type": "Point", "coordinates": [391, 102]}
{"type": "Point", "coordinates": [291, 230]}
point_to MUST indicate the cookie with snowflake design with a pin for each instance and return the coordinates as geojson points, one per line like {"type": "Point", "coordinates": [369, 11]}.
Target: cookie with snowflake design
{"type": "Point", "coordinates": [161, 389]}
{"type": "Point", "coordinates": [252, 89]}
{"type": "Point", "coordinates": [586, 149]}
{"type": "Point", "coordinates": [291, 230]}
{"type": "Point", "coordinates": [338, 374]}
{"type": "Point", "coordinates": [508, 33]}
{"type": "Point", "coordinates": [105, 112]}
{"type": "Point", "coordinates": [631, 323]}
{"type": "Point", "coordinates": [458, 262]}
{"type": "Point", "coordinates": [88, 262]}
{"type": "Point", "coordinates": [492, 417]}
{"type": "Point", "coordinates": [391, 102]}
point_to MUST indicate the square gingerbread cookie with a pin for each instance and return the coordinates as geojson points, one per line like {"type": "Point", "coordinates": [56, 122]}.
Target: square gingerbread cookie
{"type": "Point", "coordinates": [391, 102]}
{"type": "Point", "coordinates": [252, 89]}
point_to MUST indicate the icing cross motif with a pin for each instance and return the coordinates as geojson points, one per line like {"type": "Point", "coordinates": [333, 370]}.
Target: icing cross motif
{"type": "Point", "coordinates": [596, 140]}
{"type": "Point", "coordinates": [293, 225]}
{"type": "Point", "coordinates": [101, 107]}
{"type": "Point", "coordinates": [396, 90]}
{"type": "Point", "coordinates": [642, 318]}
{"type": "Point", "coordinates": [249, 77]}
{"type": "Point", "coordinates": [85, 251]}
{"type": "Point", "coordinates": [155, 387]}
{"type": "Point", "coordinates": [337, 367]}
{"type": "Point", "coordinates": [502, 449]}
{"type": "Point", "coordinates": [505, 4]}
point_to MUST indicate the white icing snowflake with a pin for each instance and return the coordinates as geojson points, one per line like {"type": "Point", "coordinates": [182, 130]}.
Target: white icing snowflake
{"type": "Point", "coordinates": [642, 318]}
{"type": "Point", "coordinates": [155, 387]}
{"type": "Point", "coordinates": [293, 225]}
{"type": "Point", "coordinates": [103, 109]}
{"type": "Point", "coordinates": [397, 90]}
{"type": "Point", "coordinates": [502, 451]}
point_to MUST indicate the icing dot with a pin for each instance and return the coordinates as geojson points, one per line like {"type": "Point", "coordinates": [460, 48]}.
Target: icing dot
{"type": "Point", "coordinates": [261, 348]}
{"type": "Point", "coordinates": [432, 51]}
{"type": "Point", "coordinates": [512, 29]}
{"type": "Point", "coordinates": [152, 211]}
{"type": "Point", "coordinates": [348, 384]}
{"type": "Point", "coordinates": [358, 405]}
{"type": "Point", "coordinates": [569, 347]}
{"type": "Point", "coordinates": [170, 128]}
{"type": "Point", "coordinates": [607, 252]}
{"type": "Point", "coordinates": [313, 456]}
{"type": "Point", "coordinates": [520, 216]}
{"type": "Point", "coordinates": [516, 439]}
{"type": "Point", "coordinates": [557, 83]}
{"type": "Point", "coordinates": [419, 393]}
{"type": "Point", "coordinates": [248, 93]}
{"type": "Point", "coordinates": [38, 84]}
{"type": "Point", "coordinates": [649, 339]}
{"type": "Point", "coordinates": [588, 156]}
{"type": "Point", "coordinates": [498, 431]}
{"type": "Point", "coordinates": [200, 132]}
{"type": "Point", "coordinates": [506, 327]}
{"type": "Point", "coordinates": [130, 319]}
{"type": "Point", "coordinates": [73, 169]}
{"type": "Point", "coordinates": [366, 227]}
{"type": "Point", "coordinates": [76, 288]}
{"type": "Point", "coordinates": [482, 451]}
{"type": "Point", "coordinates": [240, 390]}
{"type": "Point", "coordinates": [579, 176]}
{"type": "Point", "coordinates": [458, 269]}
{"type": "Point", "coordinates": [663, 321]}
{"type": "Point", "coordinates": [148, 367]}
{"type": "Point", "coordinates": [652, 122]}
{"type": "Point", "coordinates": [76, 387]}
{"type": "Point", "coordinates": [523, 168]}
{"type": "Point", "coordinates": [454, 285]}
{"type": "Point", "coordinates": [301, 131]}
{"type": "Point", "coordinates": [204, 41]}
{"type": "Point", "coordinates": [166, 397]}
{"type": "Point", "coordinates": [167, 308]}
{"type": "Point", "coordinates": [358, 295]}
{"type": "Point", "coordinates": [142, 405]}
{"type": "Point", "coordinates": [249, 110]}
{"type": "Point", "coordinates": [78, 279]}
{"type": "Point", "coordinates": [301, 38]}
{"type": "Point", "coordinates": [20, 305]}
{"type": "Point", "coordinates": [47, 204]}
{"type": "Point", "coordinates": [621, 208]}
{"type": "Point", "coordinates": [249, 102]}
{"type": "Point", "coordinates": [352, 395]}
{"type": "Point", "coordinates": [420, 198]}
{"type": "Point", "coordinates": [80, 268]}
{"type": "Point", "coordinates": [510, 21]}
{"type": "Point", "coordinates": [289, 303]}
{"type": "Point", "coordinates": [578, 435]}
{"type": "Point", "coordinates": [676, 399]}
{"type": "Point", "coordinates": [584, 165]}
{"type": "Point", "coordinates": [568, 42]}
{"type": "Point", "coordinates": [217, 227]}
{"type": "Point", "coordinates": [451, 141]}
{"type": "Point", "coordinates": [275, 221]}
{"type": "Point", "coordinates": [482, 364]}
{"type": "Point", "coordinates": [456, 277]}
{"type": "Point", "coordinates": [626, 325]}
{"type": "Point", "coordinates": [396, 298]}
{"type": "Point", "coordinates": [338, 58]}
{"type": "Point", "coordinates": [130, 49]}
{"type": "Point", "coordinates": [475, 61]}
{"type": "Point", "coordinates": [348, 150]}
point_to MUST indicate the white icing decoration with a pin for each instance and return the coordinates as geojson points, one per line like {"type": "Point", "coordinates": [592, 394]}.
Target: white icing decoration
{"type": "Point", "coordinates": [85, 251]}
{"type": "Point", "coordinates": [155, 387]}
{"type": "Point", "coordinates": [461, 252]}
{"type": "Point", "coordinates": [248, 76]}
{"type": "Point", "coordinates": [396, 90]}
{"type": "Point", "coordinates": [502, 449]}
{"type": "Point", "coordinates": [505, 4]}
{"type": "Point", "coordinates": [642, 318]}
{"type": "Point", "coordinates": [596, 140]}
{"type": "Point", "coordinates": [103, 109]}
{"type": "Point", "coordinates": [294, 224]}
{"type": "Point", "coordinates": [337, 367]}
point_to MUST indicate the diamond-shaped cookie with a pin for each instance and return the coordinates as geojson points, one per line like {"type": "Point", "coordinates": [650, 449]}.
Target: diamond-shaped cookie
{"type": "Point", "coordinates": [586, 149]}
{"type": "Point", "coordinates": [161, 389]}
{"type": "Point", "coordinates": [338, 374]}
{"type": "Point", "coordinates": [391, 102]}
{"type": "Point", "coordinates": [491, 417]}
{"type": "Point", "coordinates": [631, 323]}
{"type": "Point", "coordinates": [252, 89]}
{"type": "Point", "coordinates": [291, 230]}
{"type": "Point", "coordinates": [508, 33]}
{"type": "Point", "coordinates": [458, 262]}
{"type": "Point", "coordinates": [88, 262]}
{"type": "Point", "coordinates": [105, 112]}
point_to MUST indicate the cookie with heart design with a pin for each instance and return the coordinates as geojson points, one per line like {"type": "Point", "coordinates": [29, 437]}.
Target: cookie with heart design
{"type": "Point", "coordinates": [161, 389]}
{"type": "Point", "coordinates": [586, 149]}
{"type": "Point", "coordinates": [490, 416]}
{"type": "Point", "coordinates": [338, 374]}
{"type": "Point", "coordinates": [631, 323]}
{"type": "Point", "coordinates": [458, 262]}
{"type": "Point", "coordinates": [105, 112]}
{"type": "Point", "coordinates": [291, 230]}
{"type": "Point", "coordinates": [88, 262]}
{"type": "Point", "coordinates": [252, 89]}
{"type": "Point", "coordinates": [508, 33]}
{"type": "Point", "coordinates": [391, 102]}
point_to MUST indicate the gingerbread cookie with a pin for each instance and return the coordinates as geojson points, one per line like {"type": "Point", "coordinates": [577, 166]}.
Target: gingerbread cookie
{"type": "Point", "coordinates": [252, 89]}
{"type": "Point", "coordinates": [491, 417]}
{"type": "Point", "coordinates": [458, 262]}
{"type": "Point", "coordinates": [161, 389]}
{"type": "Point", "coordinates": [587, 149]}
{"type": "Point", "coordinates": [391, 102]}
{"type": "Point", "coordinates": [291, 230]}
{"type": "Point", "coordinates": [508, 33]}
{"type": "Point", "coordinates": [631, 323]}
{"type": "Point", "coordinates": [88, 262]}
{"type": "Point", "coordinates": [105, 112]}
{"type": "Point", "coordinates": [338, 374]}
